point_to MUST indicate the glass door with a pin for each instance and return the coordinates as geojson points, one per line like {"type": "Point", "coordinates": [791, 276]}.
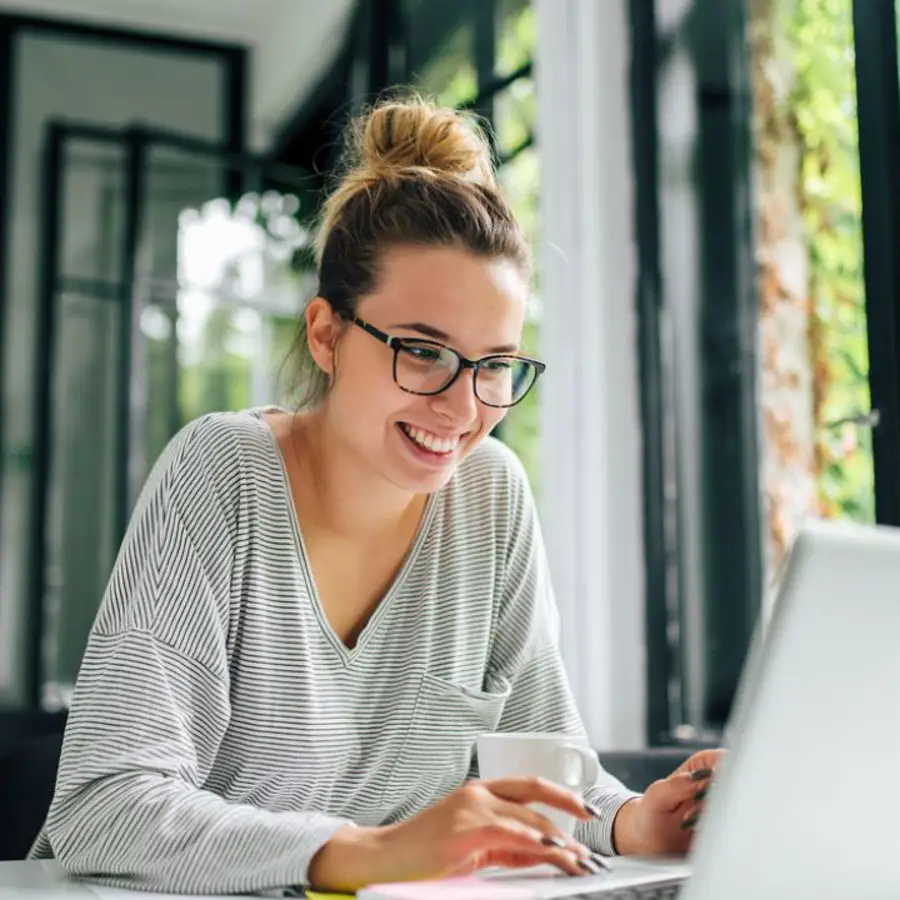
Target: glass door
{"type": "Point", "coordinates": [174, 275]}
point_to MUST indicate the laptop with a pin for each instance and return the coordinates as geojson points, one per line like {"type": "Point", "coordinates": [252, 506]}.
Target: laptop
{"type": "Point", "coordinates": [807, 802]}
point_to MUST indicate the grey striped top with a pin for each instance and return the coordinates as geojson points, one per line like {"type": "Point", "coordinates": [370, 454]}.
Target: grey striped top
{"type": "Point", "coordinates": [220, 732]}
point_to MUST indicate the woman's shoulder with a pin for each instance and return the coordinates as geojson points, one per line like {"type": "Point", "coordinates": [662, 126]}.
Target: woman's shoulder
{"type": "Point", "coordinates": [493, 467]}
{"type": "Point", "coordinates": [490, 487]}
{"type": "Point", "coordinates": [216, 451]}
{"type": "Point", "coordinates": [218, 436]}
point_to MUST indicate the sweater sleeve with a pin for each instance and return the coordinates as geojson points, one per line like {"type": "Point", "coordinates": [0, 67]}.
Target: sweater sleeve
{"type": "Point", "coordinates": [151, 705]}
{"type": "Point", "coordinates": [526, 651]}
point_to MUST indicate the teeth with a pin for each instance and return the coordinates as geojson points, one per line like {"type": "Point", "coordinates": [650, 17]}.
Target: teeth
{"type": "Point", "coordinates": [430, 441]}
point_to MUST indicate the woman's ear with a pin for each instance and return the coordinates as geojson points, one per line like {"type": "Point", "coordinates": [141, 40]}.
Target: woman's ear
{"type": "Point", "coordinates": [323, 328]}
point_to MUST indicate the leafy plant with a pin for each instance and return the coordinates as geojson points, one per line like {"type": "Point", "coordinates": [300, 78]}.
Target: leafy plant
{"type": "Point", "coordinates": [822, 102]}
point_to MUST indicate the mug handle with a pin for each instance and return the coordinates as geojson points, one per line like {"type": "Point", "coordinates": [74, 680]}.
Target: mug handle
{"type": "Point", "coordinates": [588, 765]}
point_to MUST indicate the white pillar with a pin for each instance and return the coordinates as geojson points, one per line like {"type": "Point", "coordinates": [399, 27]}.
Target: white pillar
{"type": "Point", "coordinates": [591, 495]}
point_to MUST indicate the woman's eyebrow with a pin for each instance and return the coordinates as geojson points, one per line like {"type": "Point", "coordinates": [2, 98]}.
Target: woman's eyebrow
{"type": "Point", "coordinates": [442, 336]}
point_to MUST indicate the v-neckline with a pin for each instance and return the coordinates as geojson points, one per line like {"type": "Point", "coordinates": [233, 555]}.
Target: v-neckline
{"type": "Point", "coordinates": [346, 654]}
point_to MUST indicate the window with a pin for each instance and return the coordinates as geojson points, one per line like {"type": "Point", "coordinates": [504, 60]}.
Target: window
{"type": "Point", "coordinates": [778, 148]}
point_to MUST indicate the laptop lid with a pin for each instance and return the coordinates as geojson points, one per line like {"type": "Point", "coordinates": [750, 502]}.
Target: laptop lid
{"type": "Point", "coordinates": [807, 803]}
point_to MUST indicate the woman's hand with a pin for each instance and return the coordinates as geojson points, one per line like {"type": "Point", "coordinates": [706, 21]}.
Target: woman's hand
{"type": "Point", "coordinates": [663, 819]}
{"type": "Point", "coordinates": [481, 824]}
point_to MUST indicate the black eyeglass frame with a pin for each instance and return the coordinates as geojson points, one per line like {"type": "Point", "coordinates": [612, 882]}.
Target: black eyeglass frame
{"type": "Point", "coordinates": [398, 343]}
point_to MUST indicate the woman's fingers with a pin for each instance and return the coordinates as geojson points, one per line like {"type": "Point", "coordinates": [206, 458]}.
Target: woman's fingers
{"type": "Point", "coordinates": [538, 790]}
{"type": "Point", "coordinates": [668, 794]}
{"type": "Point", "coordinates": [692, 816]}
{"type": "Point", "coordinates": [508, 838]}
{"type": "Point", "coordinates": [552, 836]}
{"type": "Point", "coordinates": [533, 819]}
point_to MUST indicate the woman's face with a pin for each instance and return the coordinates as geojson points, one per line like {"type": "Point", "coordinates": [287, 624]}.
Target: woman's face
{"type": "Point", "coordinates": [475, 306]}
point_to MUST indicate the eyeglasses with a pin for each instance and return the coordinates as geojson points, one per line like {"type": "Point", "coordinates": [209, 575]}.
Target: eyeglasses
{"type": "Point", "coordinates": [428, 368]}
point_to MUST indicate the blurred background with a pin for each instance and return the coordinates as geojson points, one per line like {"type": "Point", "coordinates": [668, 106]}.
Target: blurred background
{"type": "Point", "coordinates": [712, 190]}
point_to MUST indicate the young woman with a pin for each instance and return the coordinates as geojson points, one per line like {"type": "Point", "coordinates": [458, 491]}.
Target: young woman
{"type": "Point", "coordinates": [315, 613]}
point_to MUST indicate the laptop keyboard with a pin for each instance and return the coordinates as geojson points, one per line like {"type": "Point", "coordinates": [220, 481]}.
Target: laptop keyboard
{"type": "Point", "coordinates": [644, 892]}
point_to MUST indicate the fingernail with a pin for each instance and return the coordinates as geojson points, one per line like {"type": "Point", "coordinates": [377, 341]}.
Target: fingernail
{"type": "Point", "coordinates": [690, 822]}
{"type": "Point", "coordinates": [593, 810]}
{"type": "Point", "coordinates": [700, 795]}
{"type": "Point", "coordinates": [589, 866]}
{"type": "Point", "coordinates": [550, 841]}
{"type": "Point", "coordinates": [701, 774]}
{"type": "Point", "coordinates": [602, 861]}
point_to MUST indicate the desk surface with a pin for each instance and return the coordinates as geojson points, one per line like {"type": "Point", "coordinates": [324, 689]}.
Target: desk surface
{"type": "Point", "coordinates": [44, 880]}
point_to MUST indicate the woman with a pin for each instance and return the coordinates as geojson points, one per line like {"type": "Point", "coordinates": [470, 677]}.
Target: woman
{"type": "Point", "coordinates": [315, 613]}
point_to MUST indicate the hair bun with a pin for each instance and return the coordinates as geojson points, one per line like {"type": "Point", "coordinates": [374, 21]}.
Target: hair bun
{"type": "Point", "coordinates": [413, 134]}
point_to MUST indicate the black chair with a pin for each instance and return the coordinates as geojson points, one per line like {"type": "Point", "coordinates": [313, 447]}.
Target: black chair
{"type": "Point", "coordinates": [18, 726]}
{"type": "Point", "coordinates": [27, 781]}
{"type": "Point", "coordinates": [638, 769]}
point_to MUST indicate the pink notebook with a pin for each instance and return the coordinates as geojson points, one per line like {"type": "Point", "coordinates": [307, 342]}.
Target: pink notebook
{"type": "Point", "coordinates": [447, 889]}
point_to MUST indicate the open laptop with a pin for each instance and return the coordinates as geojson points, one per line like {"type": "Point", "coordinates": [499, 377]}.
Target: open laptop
{"type": "Point", "coordinates": [807, 802]}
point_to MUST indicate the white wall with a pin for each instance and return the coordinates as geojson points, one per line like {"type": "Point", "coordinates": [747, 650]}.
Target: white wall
{"type": "Point", "coordinates": [591, 478]}
{"type": "Point", "coordinates": [55, 77]}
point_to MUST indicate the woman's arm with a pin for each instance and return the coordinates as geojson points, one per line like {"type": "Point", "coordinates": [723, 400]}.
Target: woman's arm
{"type": "Point", "coordinates": [152, 704]}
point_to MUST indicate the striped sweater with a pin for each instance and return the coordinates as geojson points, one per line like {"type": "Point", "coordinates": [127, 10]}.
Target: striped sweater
{"type": "Point", "coordinates": [220, 732]}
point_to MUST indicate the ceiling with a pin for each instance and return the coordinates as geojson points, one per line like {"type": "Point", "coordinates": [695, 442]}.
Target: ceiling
{"type": "Point", "coordinates": [241, 21]}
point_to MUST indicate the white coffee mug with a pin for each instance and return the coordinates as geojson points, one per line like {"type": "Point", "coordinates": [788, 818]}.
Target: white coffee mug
{"type": "Point", "coordinates": [561, 758]}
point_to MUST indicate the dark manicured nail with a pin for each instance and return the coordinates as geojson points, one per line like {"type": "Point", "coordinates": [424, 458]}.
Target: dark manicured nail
{"type": "Point", "coordinates": [549, 841]}
{"type": "Point", "coordinates": [589, 866]}
{"type": "Point", "coordinates": [690, 822]}
{"type": "Point", "coordinates": [593, 810]}
{"type": "Point", "coordinates": [701, 774]}
{"type": "Point", "coordinates": [602, 861]}
{"type": "Point", "coordinates": [700, 795]}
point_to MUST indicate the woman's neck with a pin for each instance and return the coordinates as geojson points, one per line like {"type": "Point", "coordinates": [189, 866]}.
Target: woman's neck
{"type": "Point", "coordinates": [338, 492]}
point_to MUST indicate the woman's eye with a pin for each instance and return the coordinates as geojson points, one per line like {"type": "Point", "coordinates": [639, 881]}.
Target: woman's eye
{"type": "Point", "coordinates": [425, 354]}
{"type": "Point", "coordinates": [498, 365]}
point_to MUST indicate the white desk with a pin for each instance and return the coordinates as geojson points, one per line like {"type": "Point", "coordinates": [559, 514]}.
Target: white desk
{"type": "Point", "coordinates": [45, 880]}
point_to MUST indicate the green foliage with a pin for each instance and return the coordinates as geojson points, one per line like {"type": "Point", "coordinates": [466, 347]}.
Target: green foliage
{"type": "Point", "coordinates": [823, 105]}
{"type": "Point", "coordinates": [518, 35]}
{"type": "Point", "coordinates": [450, 77]}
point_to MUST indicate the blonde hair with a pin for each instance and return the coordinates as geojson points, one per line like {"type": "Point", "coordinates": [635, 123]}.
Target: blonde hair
{"type": "Point", "coordinates": [414, 174]}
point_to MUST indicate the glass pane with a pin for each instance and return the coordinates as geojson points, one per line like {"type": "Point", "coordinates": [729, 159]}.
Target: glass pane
{"type": "Point", "coordinates": [814, 358]}
{"type": "Point", "coordinates": [521, 428]}
{"type": "Point", "coordinates": [441, 50]}
{"type": "Point", "coordinates": [516, 37]}
{"type": "Point", "coordinates": [80, 539]}
{"type": "Point", "coordinates": [223, 293]}
{"type": "Point", "coordinates": [80, 542]}
{"type": "Point", "coordinates": [92, 212]}
{"type": "Point", "coordinates": [515, 114]}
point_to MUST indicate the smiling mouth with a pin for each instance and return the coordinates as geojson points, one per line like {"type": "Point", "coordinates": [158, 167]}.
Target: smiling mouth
{"type": "Point", "coordinates": [424, 440]}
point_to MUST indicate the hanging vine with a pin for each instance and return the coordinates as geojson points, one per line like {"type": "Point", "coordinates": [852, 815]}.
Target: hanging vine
{"type": "Point", "coordinates": [823, 105]}
{"type": "Point", "coordinates": [813, 348]}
